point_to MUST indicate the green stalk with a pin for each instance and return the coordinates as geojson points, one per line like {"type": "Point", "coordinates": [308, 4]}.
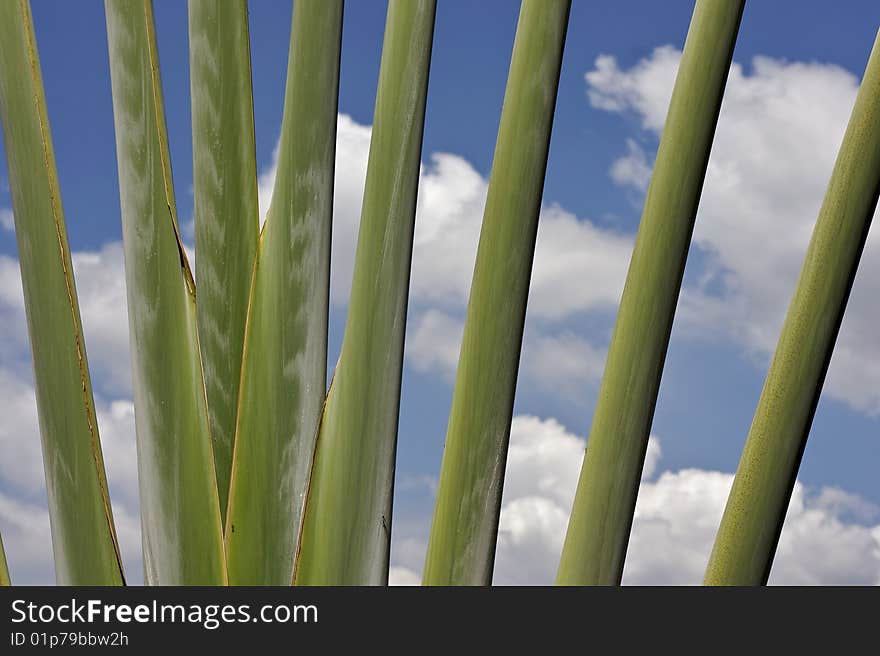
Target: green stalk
{"type": "Point", "coordinates": [83, 536]}
{"type": "Point", "coordinates": [180, 509]}
{"type": "Point", "coordinates": [598, 530]}
{"type": "Point", "coordinates": [4, 569]}
{"type": "Point", "coordinates": [461, 550]}
{"type": "Point", "coordinates": [285, 358]}
{"type": "Point", "coordinates": [226, 208]}
{"type": "Point", "coordinates": [347, 525]}
{"type": "Point", "coordinates": [752, 521]}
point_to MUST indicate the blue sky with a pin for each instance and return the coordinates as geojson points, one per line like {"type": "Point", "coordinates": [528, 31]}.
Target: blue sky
{"type": "Point", "coordinates": [780, 126]}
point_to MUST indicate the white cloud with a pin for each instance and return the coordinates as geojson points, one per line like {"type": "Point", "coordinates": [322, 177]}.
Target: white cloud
{"type": "Point", "coordinates": [779, 130]}
{"type": "Point", "coordinates": [100, 280]}
{"type": "Point", "coordinates": [12, 317]}
{"type": "Point", "coordinates": [633, 170]}
{"type": "Point", "coordinates": [119, 447]}
{"type": "Point", "coordinates": [578, 267]}
{"type": "Point", "coordinates": [452, 195]}
{"type": "Point", "coordinates": [563, 363]}
{"type": "Point", "coordinates": [433, 343]}
{"type": "Point", "coordinates": [19, 435]}
{"type": "Point", "coordinates": [819, 547]}
{"type": "Point", "coordinates": [31, 562]}
{"type": "Point", "coordinates": [543, 466]}
{"type": "Point", "coordinates": [403, 576]}
{"type": "Point", "coordinates": [26, 541]}
{"type": "Point", "coordinates": [677, 516]}
{"type": "Point", "coordinates": [675, 522]}
{"type": "Point", "coordinates": [7, 220]}
{"type": "Point", "coordinates": [567, 250]}
{"type": "Point", "coordinates": [23, 506]}
{"type": "Point", "coordinates": [652, 457]}
{"type": "Point", "coordinates": [645, 88]}
{"type": "Point", "coordinates": [840, 503]}
{"type": "Point", "coordinates": [448, 218]}
{"type": "Point", "coordinates": [100, 288]}
{"type": "Point", "coordinates": [266, 183]}
{"type": "Point", "coordinates": [530, 536]}
{"type": "Point", "coordinates": [553, 454]}
{"type": "Point", "coordinates": [409, 544]}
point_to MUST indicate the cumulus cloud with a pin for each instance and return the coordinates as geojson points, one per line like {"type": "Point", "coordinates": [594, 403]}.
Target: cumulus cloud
{"type": "Point", "coordinates": [633, 170]}
{"type": "Point", "coordinates": [23, 506]}
{"type": "Point", "coordinates": [100, 288]}
{"type": "Point", "coordinates": [26, 541]}
{"type": "Point", "coordinates": [563, 362]}
{"type": "Point", "coordinates": [543, 466]}
{"type": "Point", "coordinates": [13, 346]}
{"type": "Point", "coordinates": [450, 213]}
{"type": "Point", "coordinates": [676, 517]}
{"type": "Point", "coordinates": [578, 267]}
{"type": "Point", "coordinates": [433, 343]}
{"type": "Point", "coordinates": [779, 130]}
{"type": "Point", "coordinates": [19, 435]}
{"type": "Point", "coordinates": [403, 576]}
{"type": "Point", "coordinates": [645, 88]}
{"type": "Point", "coordinates": [7, 220]}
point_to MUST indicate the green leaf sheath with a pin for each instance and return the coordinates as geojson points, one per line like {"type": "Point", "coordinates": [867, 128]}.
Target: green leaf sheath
{"type": "Point", "coordinates": [285, 359]}
{"type": "Point", "coordinates": [461, 550]}
{"type": "Point", "coordinates": [752, 521]}
{"type": "Point", "coordinates": [226, 207]}
{"type": "Point", "coordinates": [180, 510]}
{"type": "Point", "coordinates": [83, 536]}
{"type": "Point", "coordinates": [347, 525]}
{"type": "Point", "coordinates": [4, 569]}
{"type": "Point", "coordinates": [599, 527]}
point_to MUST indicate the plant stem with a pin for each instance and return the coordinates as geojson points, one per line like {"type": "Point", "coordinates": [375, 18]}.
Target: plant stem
{"type": "Point", "coordinates": [225, 207]}
{"type": "Point", "coordinates": [599, 527]}
{"type": "Point", "coordinates": [752, 521]}
{"type": "Point", "coordinates": [84, 539]}
{"type": "Point", "coordinates": [346, 531]}
{"type": "Point", "coordinates": [461, 550]}
{"type": "Point", "coordinates": [284, 368]}
{"type": "Point", "coordinates": [181, 527]}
